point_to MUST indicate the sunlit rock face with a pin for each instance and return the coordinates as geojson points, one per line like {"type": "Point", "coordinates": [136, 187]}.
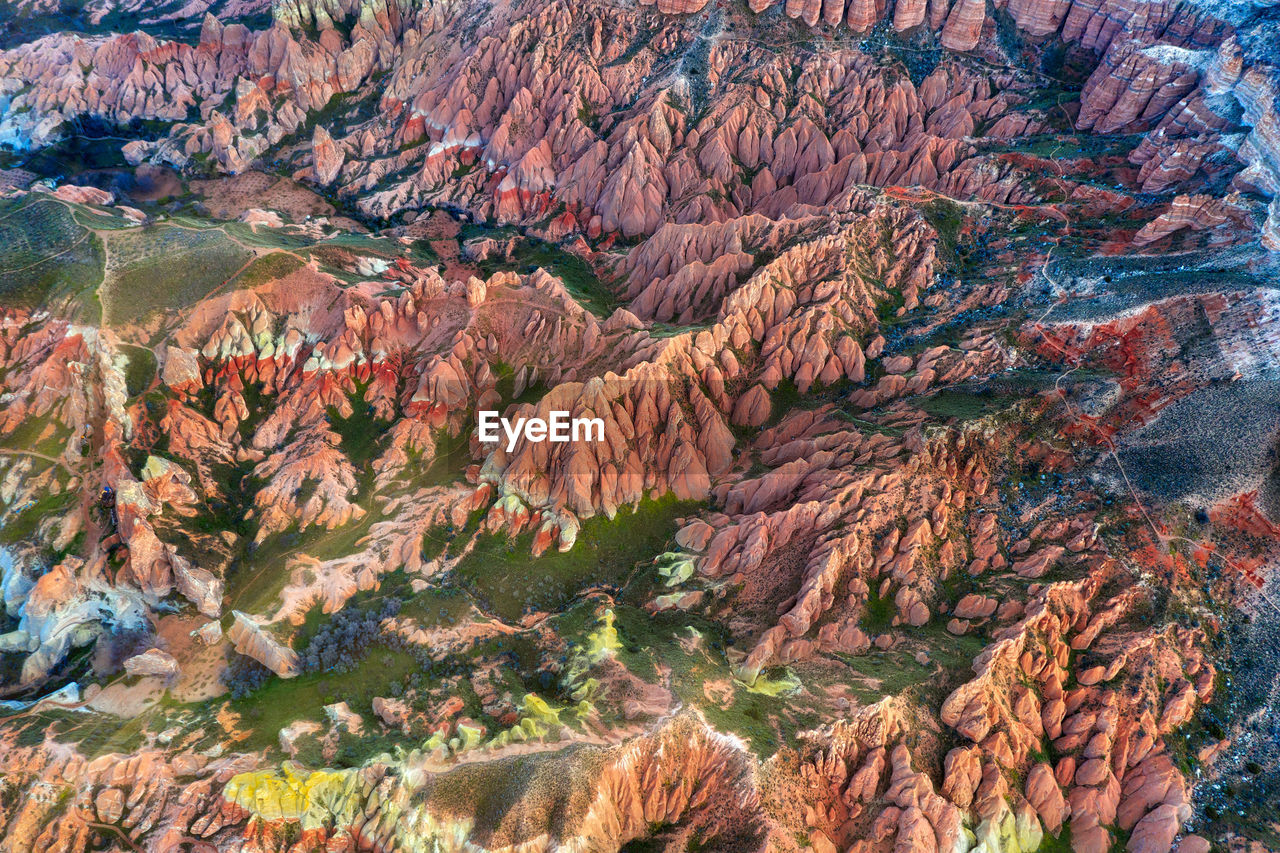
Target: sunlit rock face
{"type": "Point", "coordinates": [932, 347]}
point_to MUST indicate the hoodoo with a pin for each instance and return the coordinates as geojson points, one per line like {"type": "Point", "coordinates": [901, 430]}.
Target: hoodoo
{"type": "Point", "coordinates": [517, 426]}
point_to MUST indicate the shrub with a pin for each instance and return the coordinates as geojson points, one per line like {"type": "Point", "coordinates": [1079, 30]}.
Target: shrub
{"type": "Point", "coordinates": [342, 642]}
{"type": "Point", "coordinates": [244, 675]}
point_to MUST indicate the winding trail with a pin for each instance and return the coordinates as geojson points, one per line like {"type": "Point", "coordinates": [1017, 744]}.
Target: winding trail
{"type": "Point", "coordinates": [1106, 438]}
{"type": "Point", "coordinates": [921, 194]}
{"type": "Point", "coordinates": [13, 451]}
{"type": "Point", "coordinates": [124, 836]}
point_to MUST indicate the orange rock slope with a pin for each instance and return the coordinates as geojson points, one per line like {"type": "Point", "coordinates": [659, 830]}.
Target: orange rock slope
{"type": "Point", "coordinates": [932, 344]}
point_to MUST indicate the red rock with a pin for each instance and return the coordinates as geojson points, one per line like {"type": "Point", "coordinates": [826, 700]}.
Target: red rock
{"type": "Point", "coordinates": [1046, 797]}
{"type": "Point", "coordinates": [964, 25]}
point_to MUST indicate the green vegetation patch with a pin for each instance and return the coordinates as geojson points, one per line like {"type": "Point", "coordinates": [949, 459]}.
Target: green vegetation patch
{"type": "Point", "coordinates": [965, 404]}
{"type": "Point", "coordinates": [449, 465]}
{"type": "Point", "coordinates": [162, 267]}
{"type": "Point", "coordinates": [260, 237]}
{"type": "Point", "coordinates": [34, 434]}
{"type": "Point", "coordinates": [141, 369]}
{"type": "Point", "coordinates": [877, 615]}
{"type": "Point", "coordinates": [435, 607]}
{"type": "Point", "coordinates": [282, 701]}
{"type": "Point", "coordinates": [93, 734]}
{"type": "Point", "coordinates": [23, 520]}
{"type": "Point", "coordinates": [269, 268]}
{"type": "Point", "coordinates": [505, 385]}
{"type": "Point", "coordinates": [502, 575]}
{"type": "Point", "coordinates": [256, 580]}
{"type": "Point", "coordinates": [1060, 843]}
{"type": "Point", "coordinates": [46, 254]}
{"type": "Point", "coordinates": [692, 650]}
{"type": "Point", "coordinates": [578, 277]}
{"type": "Point", "coordinates": [947, 218]}
{"type": "Point", "coordinates": [97, 221]}
{"type": "Point", "coordinates": [878, 673]}
{"type": "Point", "coordinates": [361, 432]}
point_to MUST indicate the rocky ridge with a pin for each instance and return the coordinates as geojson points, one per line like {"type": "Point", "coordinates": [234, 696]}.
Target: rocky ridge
{"type": "Point", "coordinates": [909, 596]}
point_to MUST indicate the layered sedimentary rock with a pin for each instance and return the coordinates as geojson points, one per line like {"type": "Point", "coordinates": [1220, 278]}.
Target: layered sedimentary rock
{"type": "Point", "coordinates": [560, 131]}
{"type": "Point", "coordinates": [882, 343]}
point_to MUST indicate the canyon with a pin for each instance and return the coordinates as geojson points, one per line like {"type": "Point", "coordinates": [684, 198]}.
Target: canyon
{"type": "Point", "coordinates": [926, 353]}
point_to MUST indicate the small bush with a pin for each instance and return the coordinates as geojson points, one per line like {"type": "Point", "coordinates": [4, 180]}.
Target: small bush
{"type": "Point", "coordinates": [244, 675]}
{"type": "Point", "coordinates": [344, 640]}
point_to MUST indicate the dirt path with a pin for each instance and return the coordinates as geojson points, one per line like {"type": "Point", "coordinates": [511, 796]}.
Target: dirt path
{"type": "Point", "coordinates": [1105, 438]}
{"type": "Point", "coordinates": [85, 236]}
{"type": "Point", "coordinates": [53, 459]}
{"type": "Point", "coordinates": [117, 830]}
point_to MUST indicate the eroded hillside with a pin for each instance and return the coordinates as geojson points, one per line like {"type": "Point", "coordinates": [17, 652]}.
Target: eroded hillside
{"type": "Point", "coordinates": [933, 344]}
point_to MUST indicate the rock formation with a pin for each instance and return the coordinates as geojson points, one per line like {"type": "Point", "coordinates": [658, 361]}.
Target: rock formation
{"type": "Point", "coordinates": [931, 345]}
